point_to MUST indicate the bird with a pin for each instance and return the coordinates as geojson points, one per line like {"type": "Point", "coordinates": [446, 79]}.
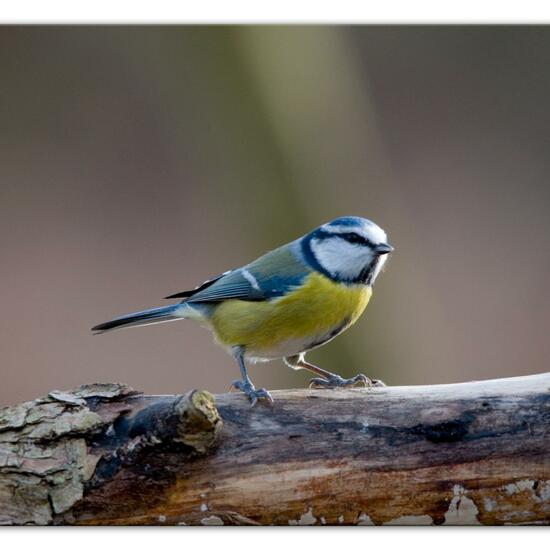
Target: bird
{"type": "Point", "coordinates": [289, 301]}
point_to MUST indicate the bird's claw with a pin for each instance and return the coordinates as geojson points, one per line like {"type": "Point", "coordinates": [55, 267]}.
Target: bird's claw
{"type": "Point", "coordinates": [251, 392]}
{"type": "Point", "coordinates": [335, 381]}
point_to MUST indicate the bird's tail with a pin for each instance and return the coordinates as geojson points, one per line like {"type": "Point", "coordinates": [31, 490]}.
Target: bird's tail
{"type": "Point", "coordinates": [146, 317]}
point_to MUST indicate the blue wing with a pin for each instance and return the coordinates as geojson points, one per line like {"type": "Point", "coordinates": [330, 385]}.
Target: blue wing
{"type": "Point", "coordinates": [267, 277]}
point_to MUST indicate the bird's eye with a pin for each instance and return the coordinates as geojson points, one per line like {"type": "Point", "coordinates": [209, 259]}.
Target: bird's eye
{"type": "Point", "coordinates": [354, 238]}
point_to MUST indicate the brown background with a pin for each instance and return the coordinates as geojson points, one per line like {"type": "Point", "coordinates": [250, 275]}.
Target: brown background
{"type": "Point", "coordinates": [136, 162]}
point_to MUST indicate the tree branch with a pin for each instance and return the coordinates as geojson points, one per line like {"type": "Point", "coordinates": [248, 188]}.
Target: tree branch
{"type": "Point", "coordinates": [473, 453]}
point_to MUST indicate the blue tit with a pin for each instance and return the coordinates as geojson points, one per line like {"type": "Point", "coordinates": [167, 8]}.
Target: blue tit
{"type": "Point", "coordinates": [287, 302]}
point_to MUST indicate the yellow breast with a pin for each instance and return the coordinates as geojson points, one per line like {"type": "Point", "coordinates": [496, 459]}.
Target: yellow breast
{"type": "Point", "coordinates": [284, 325]}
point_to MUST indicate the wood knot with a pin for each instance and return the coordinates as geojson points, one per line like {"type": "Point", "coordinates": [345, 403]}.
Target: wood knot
{"type": "Point", "coordinates": [199, 421]}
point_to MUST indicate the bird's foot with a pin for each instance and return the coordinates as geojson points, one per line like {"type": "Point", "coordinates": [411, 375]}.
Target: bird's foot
{"type": "Point", "coordinates": [335, 381]}
{"type": "Point", "coordinates": [251, 392]}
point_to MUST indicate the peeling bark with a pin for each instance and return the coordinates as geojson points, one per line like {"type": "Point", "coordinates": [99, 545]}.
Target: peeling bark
{"type": "Point", "coordinates": [56, 448]}
{"type": "Point", "coordinates": [458, 454]}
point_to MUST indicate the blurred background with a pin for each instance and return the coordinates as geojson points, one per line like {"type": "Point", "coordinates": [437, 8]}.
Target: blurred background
{"type": "Point", "coordinates": [136, 162]}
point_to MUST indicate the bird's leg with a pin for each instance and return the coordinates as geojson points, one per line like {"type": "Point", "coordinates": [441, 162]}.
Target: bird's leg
{"type": "Point", "coordinates": [329, 380]}
{"type": "Point", "coordinates": [246, 385]}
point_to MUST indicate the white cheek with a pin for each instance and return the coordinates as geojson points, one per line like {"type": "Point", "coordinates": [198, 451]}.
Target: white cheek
{"type": "Point", "coordinates": [339, 257]}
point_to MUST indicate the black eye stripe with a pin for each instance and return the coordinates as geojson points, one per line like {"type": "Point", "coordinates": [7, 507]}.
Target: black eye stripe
{"type": "Point", "coordinates": [354, 238]}
{"type": "Point", "coordinates": [350, 237]}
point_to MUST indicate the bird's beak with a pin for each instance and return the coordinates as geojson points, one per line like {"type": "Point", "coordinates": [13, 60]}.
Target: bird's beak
{"type": "Point", "coordinates": [383, 248]}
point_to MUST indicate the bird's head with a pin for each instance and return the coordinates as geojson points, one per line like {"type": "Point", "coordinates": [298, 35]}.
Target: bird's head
{"type": "Point", "coordinates": [348, 249]}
